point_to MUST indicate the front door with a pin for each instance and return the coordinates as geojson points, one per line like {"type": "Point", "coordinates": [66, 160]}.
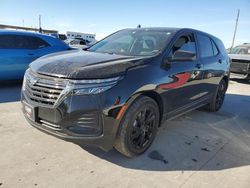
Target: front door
{"type": "Point", "coordinates": [184, 80]}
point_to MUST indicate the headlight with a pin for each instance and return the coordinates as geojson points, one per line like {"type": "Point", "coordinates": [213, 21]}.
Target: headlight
{"type": "Point", "coordinates": [24, 80]}
{"type": "Point", "coordinates": [95, 86]}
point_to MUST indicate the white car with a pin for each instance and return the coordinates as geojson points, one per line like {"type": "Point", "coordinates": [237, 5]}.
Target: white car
{"type": "Point", "coordinates": [76, 43]}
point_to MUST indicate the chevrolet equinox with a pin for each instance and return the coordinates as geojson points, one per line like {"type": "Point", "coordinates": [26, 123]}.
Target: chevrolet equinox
{"type": "Point", "coordinates": [118, 92]}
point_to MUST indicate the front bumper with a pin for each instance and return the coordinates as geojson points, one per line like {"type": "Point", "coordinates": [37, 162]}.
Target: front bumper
{"type": "Point", "coordinates": [78, 119]}
{"type": "Point", "coordinates": [240, 70]}
{"type": "Point", "coordinates": [239, 76]}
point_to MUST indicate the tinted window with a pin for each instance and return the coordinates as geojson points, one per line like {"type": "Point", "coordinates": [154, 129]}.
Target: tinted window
{"type": "Point", "coordinates": [82, 42]}
{"type": "Point", "coordinates": [21, 42]}
{"type": "Point", "coordinates": [37, 42]}
{"type": "Point", "coordinates": [7, 41]}
{"type": "Point", "coordinates": [184, 43]}
{"type": "Point", "coordinates": [206, 48]}
{"type": "Point", "coordinates": [220, 45]}
{"type": "Point", "coordinates": [215, 49]}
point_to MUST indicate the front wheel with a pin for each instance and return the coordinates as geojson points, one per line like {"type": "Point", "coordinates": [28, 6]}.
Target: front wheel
{"type": "Point", "coordinates": [138, 127]}
{"type": "Point", "coordinates": [218, 98]}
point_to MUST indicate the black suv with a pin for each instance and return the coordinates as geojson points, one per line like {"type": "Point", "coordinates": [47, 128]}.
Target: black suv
{"type": "Point", "coordinates": [117, 92]}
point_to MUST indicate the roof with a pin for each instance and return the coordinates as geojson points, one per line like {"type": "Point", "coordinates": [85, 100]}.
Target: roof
{"type": "Point", "coordinates": [6, 31]}
{"type": "Point", "coordinates": [156, 29]}
{"type": "Point", "coordinates": [172, 29]}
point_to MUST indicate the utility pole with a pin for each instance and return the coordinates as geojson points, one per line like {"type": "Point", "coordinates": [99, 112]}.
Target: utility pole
{"type": "Point", "coordinates": [235, 29]}
{"type": "Point", "coordinates": [40, 27]}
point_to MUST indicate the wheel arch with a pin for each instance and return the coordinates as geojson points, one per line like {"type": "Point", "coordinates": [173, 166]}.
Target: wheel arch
{"type": "Point", "coordinates": [226, 79]}
{"type": "Point", "coordinates": [153, 95]}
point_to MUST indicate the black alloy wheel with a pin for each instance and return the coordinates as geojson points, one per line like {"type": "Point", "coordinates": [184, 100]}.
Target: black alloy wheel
{"type": "Point", "coordinates": [218, 99]}
{"type": "Point", "coordinates": [220, 95]}
{"type": "Point", "coordinates": [138, 127]}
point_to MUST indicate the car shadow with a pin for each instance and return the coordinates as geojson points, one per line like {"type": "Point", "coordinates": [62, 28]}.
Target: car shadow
{"type": "Point", "coordinates": [242, 81]}
{"type": "Point", "coordinates": [10, 91]}
{"type": "Point", "coordinates": [198, 140]}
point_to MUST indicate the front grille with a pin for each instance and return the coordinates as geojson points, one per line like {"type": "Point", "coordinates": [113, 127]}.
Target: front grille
{"type": "Point", "coordinates": [240, 61]}
{"type": "Point", "coordinates": [42, 89]}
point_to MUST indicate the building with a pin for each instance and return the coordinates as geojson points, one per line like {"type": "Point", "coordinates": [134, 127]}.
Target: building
{"type": "Point", "coordinates": [47, 31]}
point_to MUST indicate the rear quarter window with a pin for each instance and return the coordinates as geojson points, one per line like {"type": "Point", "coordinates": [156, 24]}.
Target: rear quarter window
{"type": "Point", "coordinates": [220, 45]}
{"type": "Point", "coordinates": [37, 42]}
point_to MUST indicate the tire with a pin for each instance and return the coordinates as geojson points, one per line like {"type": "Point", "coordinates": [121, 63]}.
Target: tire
{"type": "Point", "coordinates": [218, 98]}
{"type": "Point", "coordinates": [138, 127]}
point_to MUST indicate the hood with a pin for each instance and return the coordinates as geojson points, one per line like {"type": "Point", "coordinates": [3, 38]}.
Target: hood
{"type": "Point", "coordinates": [240, 56]}
{"type": "Point", "coordinates": [79, 64]}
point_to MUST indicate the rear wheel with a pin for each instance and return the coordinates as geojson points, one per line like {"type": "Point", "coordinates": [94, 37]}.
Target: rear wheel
{"type": "Point", "coordinates": [218, 98]}
{"type": "Point", "coordinates": [138, 127]}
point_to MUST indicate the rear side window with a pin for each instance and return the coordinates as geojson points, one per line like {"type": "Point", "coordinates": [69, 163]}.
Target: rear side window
{"type": "Point", "coordinates": [215, 49]}
{"type": "Point", "coordinates": [206, 47]}
{"type": "Point", "coordinates": [220, 45]}
{"type": "Point", "coordinates": [21, 42]}
{"type": "Point", "coordinates": [7, 42]}
{"type": "Point", "coordinates": [37, 42]}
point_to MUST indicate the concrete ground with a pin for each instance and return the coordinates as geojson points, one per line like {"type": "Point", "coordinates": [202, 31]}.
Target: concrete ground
{"type": "Point", "coordinates": [199, 149]}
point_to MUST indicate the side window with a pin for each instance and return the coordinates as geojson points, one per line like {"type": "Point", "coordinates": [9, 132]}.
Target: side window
{"type": "Point", "coordinates": [220, 46]}
{"type": "Point", "coordinates": [7, 42]}
{"type": "Point", "coordinates": [37, 42]}
{"type": "Point", "coordinates": [82, 42]}
{"type": "Point", "coordinates": [206, 48]}
{"type": "Point", "coordinates": [215, 49]}
{"type": "Point", "coordinates": [22, 42]}
{"type": "Point", "coordinates": [185, 43]}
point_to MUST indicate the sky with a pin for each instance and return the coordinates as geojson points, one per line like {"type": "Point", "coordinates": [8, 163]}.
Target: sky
{"type": "Point", "coordinates": [104, 17]}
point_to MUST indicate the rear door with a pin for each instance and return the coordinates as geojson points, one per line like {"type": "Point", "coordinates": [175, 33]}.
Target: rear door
{"type": "Point", "coordinates": [212, 61]}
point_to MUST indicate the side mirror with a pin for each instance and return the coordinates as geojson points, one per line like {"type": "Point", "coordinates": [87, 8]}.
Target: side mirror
{"type": "Point", "coordinates": [181, 55]}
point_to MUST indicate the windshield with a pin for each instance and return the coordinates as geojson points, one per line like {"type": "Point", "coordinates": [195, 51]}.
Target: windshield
{"type": "Point", "coordinates": [133, 43]}
{"type": "Point", "coordinates": [241, 50]}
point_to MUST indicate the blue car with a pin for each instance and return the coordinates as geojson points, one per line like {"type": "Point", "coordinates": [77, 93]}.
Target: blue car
{"type": "Point", "coordinates": [18, 49]}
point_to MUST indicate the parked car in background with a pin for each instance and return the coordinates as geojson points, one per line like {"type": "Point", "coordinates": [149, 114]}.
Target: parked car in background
{"type": "Point", "coordinates": [19, 48]}
{"type": "Point", "coordinates": [240, 66]}
{"type": "Point", "coordinates": [62, 37]}
{"type": "Point", "coordinates": [79, 43]}
{"type": "Point", "coordinates": [117, 93]}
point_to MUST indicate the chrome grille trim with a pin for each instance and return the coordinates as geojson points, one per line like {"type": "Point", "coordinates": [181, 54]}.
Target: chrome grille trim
{"type": "Point", "coordinates": [50, 125]}
{"type": "Point", "coordinates": [43, 90]}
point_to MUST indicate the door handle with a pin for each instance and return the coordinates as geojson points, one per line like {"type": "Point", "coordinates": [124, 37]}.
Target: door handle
{"type": "Point", "coordinates": [220, 61]}
{"type": "Point", "coordinates": [31, 54]}
{"type": "Point", "coordinates": [198, 66]}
